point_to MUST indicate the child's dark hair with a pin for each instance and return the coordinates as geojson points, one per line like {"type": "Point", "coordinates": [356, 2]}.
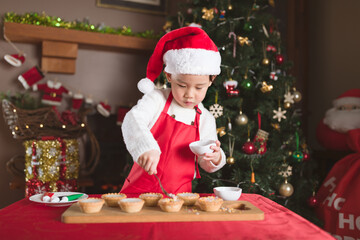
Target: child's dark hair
{"type": "Point", "coordinates": [212, 78]}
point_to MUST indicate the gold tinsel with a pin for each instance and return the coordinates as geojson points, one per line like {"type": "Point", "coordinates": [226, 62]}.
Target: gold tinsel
{"type": "Point", "coordinates": [48, 157]}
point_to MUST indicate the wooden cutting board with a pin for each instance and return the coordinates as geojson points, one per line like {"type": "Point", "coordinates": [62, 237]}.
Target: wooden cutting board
{"type": "Point", "coordinates": [231, 211]}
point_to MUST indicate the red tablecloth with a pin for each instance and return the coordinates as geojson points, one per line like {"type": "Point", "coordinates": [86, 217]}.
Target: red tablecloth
{"type": "Point", "coordinates": [27, 220]}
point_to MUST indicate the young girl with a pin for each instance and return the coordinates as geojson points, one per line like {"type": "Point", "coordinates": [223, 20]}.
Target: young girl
{"type": "Point", "coordinates": [158, 130]}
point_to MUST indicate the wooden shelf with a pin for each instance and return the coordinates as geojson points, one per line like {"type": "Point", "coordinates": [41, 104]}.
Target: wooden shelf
{"type": "Point", "coordinates": [56, 38]}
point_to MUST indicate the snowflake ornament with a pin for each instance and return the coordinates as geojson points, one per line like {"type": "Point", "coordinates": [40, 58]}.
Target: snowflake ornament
{"type": "Point", "coordinates": [71, 149]}
{"type": "Point", "coordinates": [53, 169]}
{"type": "Point", "coordinates": [66, 188]}
{"type": "Point", "coordinates": [40, 189]}
{"type": "Point", "coordinates": [40, 172]}
{"type": "Point", "coordinates": [286, 170]}
{"type": "Point", "coordinates": [38, 153]}
{"type": "Point", "coordinates": [71, 168]}
{"type": "Point", "coordinates": [52, 152]}
{"type": "Point", "coordinates": [279, 114]}
{"type": "Point", "coordinates": [216, 110]}
{"type": "Point", "coordinates": [288, 98]}
{"type": "Point", "coordinates": [29, 151]}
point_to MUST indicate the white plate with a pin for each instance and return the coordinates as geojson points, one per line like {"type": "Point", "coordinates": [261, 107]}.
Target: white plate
{"type": "Point", "coordinates": [37, 198]}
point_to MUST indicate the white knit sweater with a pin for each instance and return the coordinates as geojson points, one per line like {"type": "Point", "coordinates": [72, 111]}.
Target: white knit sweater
{"type": "Point", "coordinates": [142, 117]}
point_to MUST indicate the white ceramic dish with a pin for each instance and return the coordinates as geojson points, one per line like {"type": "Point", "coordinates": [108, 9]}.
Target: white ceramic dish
{"type": "Point", "coordinates": [201, 147]}
{"type": "Point", "coordinates": [37, 199]}
{"type": "Point", "coordinates": [228, 193]}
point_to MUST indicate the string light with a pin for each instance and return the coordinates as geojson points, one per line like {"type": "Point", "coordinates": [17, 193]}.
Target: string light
{"type": "Point", "coordinates": [82, 125]}
{"type": "Point", "coordinates": [41, 125]}
{"type": "Point", "coordinates": [63, 126]}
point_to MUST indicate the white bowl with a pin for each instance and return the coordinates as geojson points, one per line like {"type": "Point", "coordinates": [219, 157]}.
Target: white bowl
{"type": "Point", "coordinates": [228, 193]}
{"type": "Point", "coordinates": [201, 147]}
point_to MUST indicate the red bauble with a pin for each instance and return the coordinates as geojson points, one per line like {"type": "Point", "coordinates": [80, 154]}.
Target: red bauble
{"type": "Point", "coordinates": [306, 156]}
{"type": "Point", "coordinates": [279, 59]}
{"type": "Point", "coordinates": [249, 148]}
{"type": "Point", "coordinates": [312, 201]}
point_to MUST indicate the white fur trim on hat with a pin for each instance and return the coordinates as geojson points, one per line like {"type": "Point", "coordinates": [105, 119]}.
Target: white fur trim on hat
{"type": "Point", "coordinates": [346, 100]}
{"type": "Point", "coordinates": [192, 61]}
{"type": "Point", "coordinates": [145, 85]}
{"type": "Point", "coordinates": [13, 61]}
{"type": "Point", "coordinates": [23, 82]}
{"type": "Point", "coordinates": [103, 111]}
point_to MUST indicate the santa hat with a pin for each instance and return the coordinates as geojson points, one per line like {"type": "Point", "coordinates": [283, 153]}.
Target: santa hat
{"type": "Point", "coordinates": [104, 109]}
{"type": "Point", "coordinates": [351, 96]}
{"type": "Point", "coordinates": [77, 101]}
{"type": "Point", "coordinates": [32, 76]}
{"type": "Point", "coordinates": [15, 60]}
{"type": "Point", "coordinates": [187, 50]}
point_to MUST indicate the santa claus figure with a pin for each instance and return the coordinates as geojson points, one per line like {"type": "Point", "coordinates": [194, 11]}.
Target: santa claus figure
{"type": "Point", "coordinates": [339, 195]}
{"type": "Point", "coordinates": [333, 131]}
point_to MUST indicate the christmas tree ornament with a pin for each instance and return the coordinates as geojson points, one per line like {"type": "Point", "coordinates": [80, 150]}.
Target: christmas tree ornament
{"type": "Point", "coordinates": [230, 86]}
{"type": "Point", "coordinates": [15, 60]}
{"type": "Point", "coordinates": [221, 131]}
{"type": "Point", "coordinates": [30, 77]}
{"type": "Point", "coordinates": [104, 109]}
{"type": "Point", "coordinates": [77, 101]}
{"type": "Point", "coordinates": [249, 147]}
{"type": "Point", "coordinates": [252, 180]}
{"type": "Point", "coordinates": [222, 15]}
{"type": "Point", "coordinates": [288, 97]}
{"type": "Point", "coordinates": [230, 6]}
{"type": "Point", "coordinates": [286, 189]}
{"type": "Point", "coordinates": [260, 138]}
{"type": "Point", "coordinates": [265, 31]}
{"type": "Point", "coordinates": [285, 170]}
{"type": "Point", "coordinates": [247, 84]}
{"type": "Point", "coordinates": [243, 40]}
{"type": "Point", "coordinates": [306, 156]}
{"type": "Point", "coordinates": [312, 201]}
{"type": "Point", "coordinates": [167, 26]}
{"type": "Point", "coordinates": [216, 110]}
{"type": "Point", "coordinates": [255, 7]}
{"type": "Point", "coordinates": [271, 48]}
{"type": "Point", "coordinates": [279, 114]}
{"type": "Point", "coordinates": [229, 124]}
{"type": "Point", "coordinates": [52, 92]}
{"type": "Point", "coordinates": [208, 14]}
{"type": "Point", "coordinates": [248, 26]}
{"type": "Point", "coordinates": [266, 88]}
{"type": "Point", "coordinates": [232, 34]}
{"type": "Point", "coordinates": [265, 60]}
{"type": "Point", "coordinates": [279, 58]}
{"type": "Point", "coordinates": [287, 105]}
{"type": "Point", "coordinates": [297, 154]}
{"type": "Point", "coordinates": [231, 160]}
{"type": "Point", "coordinates": [273, 76]}
{"type": "Point", "coordinates": [272, 3]}
{"type": "Point", "coordinates": [276, 126]}
{"type": "Point", "coordinates": [297, 95]}
{"type": "Point", "coordinates": [241, 119]}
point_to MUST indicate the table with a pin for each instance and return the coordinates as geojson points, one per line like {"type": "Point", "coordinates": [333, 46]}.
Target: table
{"type": "Point", "coordinates": [27, 220]}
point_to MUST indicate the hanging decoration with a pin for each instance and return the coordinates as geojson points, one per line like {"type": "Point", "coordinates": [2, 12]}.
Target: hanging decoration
{"type": "Point", "coordinates": [286, 189]}
{"type": "Point", "coordinates": [297, 154]}
{"type": "Point", "coordinates": [216, 109]}
{"type": "Point", "coordinates": [285, 170]}
{"type": "Point", "coordinates": [230, 86]}
{"type": "Point", "coordinates": [15, 60]}
{"type": "Point", "coordinates": [231, 160]}
{"type": "Point", "coordinates": [52, 92]}
{"type": "Point", "coordinates": [233, 35]}
{"type": "Point", "coordinates": [104, 108]}
{"type": "Point", "coordinates": [243, 40]}
{"type": "Point", "coordinates": [221, 131]}
{"type": "Point", "coordinates": [208, 14]}
{"type": "Point", "coordinates": [265, 60]}
{"type": "Point", "coordinates": [271, 48]}
{"type": "Point", "coordinates": [249, 147]}
{"type": "Point", "coordinates": [279, 114]}
{"type": "Point", "coordinates": [30, 77]}
{"type": "Point", "coordinates": [222, 15]}
{"type": "Point", "coordinates": [266, 88]}
{"type": "Point", "coordinates": [261, 138]}
{"type": "Point", "coordinates": [297, 95]}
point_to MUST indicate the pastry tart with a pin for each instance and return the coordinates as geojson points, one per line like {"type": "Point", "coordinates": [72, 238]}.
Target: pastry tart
{"type": "Point", "coordinates": [131, 205]}
{"type": "Point", "coordinates": [171, 204]}
{"type": "Point", "coordinates": [210, 204]}
{"type": "Point", "coordinates": [91, 205]}
{"type": "Point", "coordinates": [188, 197]}
{"type": "Point", "coordinates": [151, 199]}
{"type": "Point", "coordinates": [112, 199]}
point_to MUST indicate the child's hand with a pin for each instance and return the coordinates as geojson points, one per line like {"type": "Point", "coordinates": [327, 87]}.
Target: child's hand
{"type": "Point", "coordinates": [149, 161]}
{"type": "Point", "coordinates": [214, 157]}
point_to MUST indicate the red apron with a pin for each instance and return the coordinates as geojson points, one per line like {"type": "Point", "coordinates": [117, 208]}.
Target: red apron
{"type": "Point", "coordinates": [176, 166]}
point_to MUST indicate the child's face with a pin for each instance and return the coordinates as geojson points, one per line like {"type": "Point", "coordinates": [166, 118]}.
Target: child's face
{"type": "Point", "coordinates": [188, 90]}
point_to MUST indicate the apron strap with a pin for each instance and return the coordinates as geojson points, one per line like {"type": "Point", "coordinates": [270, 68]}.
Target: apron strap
{"type": "Point", "coordinates": [168, 102]}
{"type": "Point", "coordinates": [197, 125]}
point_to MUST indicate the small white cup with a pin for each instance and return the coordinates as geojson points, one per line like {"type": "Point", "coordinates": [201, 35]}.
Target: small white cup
{"type": "Point", "coordinates": [201, 147]}
{"type": "Point", "coordinates": [228, 193]}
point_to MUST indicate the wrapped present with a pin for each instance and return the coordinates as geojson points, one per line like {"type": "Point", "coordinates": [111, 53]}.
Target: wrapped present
{"type": "Point", "coordinates": [51, 164]}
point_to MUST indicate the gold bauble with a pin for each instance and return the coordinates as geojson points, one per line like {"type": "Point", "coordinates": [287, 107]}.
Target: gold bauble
{"type": "Point", "coordinates": [286, 189]}
{"type": "Point", "coordinates": [230, 160]}
{"type": "Point", "coordinates": [265, 61]}
{"type": "Point", "coordinates": [287, 105]}
{"type": "Point", "coordinates": [297, 96]}
{"type": "Point", "coordinates": [242, 119]}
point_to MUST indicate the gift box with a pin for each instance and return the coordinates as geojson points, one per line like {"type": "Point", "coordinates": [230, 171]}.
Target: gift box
{"type": "Point", "coordinates": [51, 164]}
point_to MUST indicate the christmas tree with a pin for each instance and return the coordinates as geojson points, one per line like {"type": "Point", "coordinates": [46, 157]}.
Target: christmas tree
{"type": "Point", "coordinates": [254, 102]}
